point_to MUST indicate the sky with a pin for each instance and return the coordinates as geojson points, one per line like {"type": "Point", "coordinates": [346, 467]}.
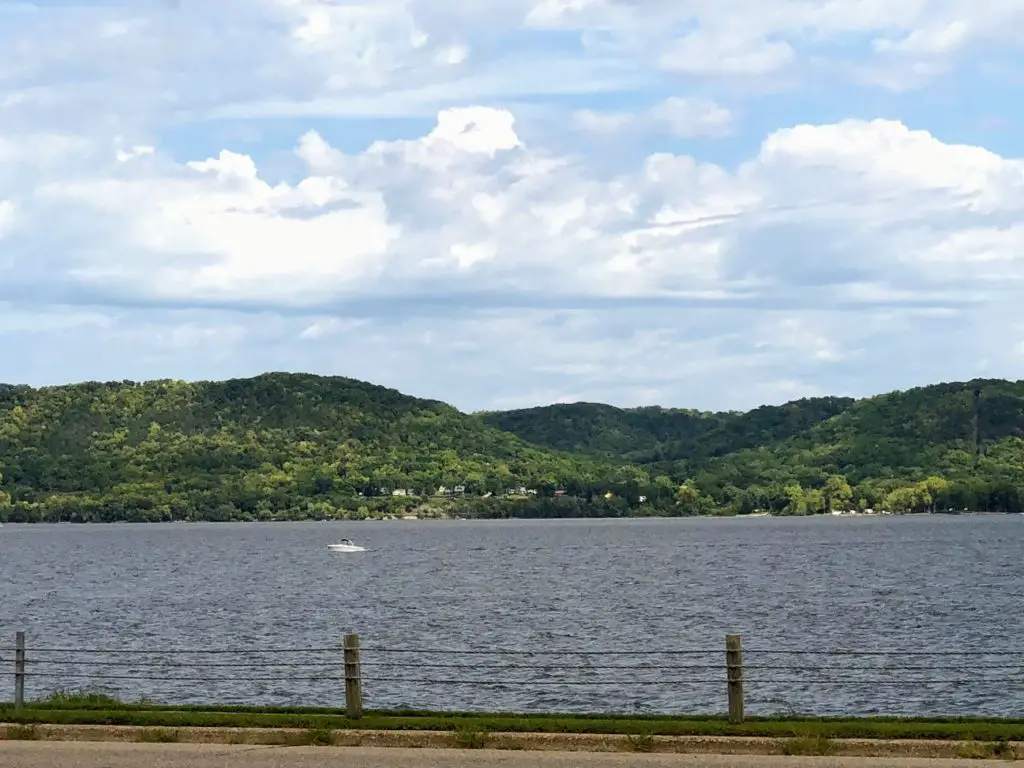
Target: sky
{"type": "Point", "coordinates": [710, 204]}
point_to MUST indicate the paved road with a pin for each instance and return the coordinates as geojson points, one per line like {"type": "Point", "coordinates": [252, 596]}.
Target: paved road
{"type": "Point", "coordinates": [29, 754]}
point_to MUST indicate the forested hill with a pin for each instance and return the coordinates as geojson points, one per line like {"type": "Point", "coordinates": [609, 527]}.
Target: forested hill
{"type": "Point", "coordinates": [899, 430]}
{"type": "Point", "coordinates": [278, 445]}
{"type": "Point", "coordinates": [285, 446]}
{"type": "Point", "coordinates": [969, 436]}
{"type": "Point", "coordinates": [653, 434]}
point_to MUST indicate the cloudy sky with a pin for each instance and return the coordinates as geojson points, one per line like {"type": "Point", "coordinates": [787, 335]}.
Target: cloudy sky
{"type": "Point", "coordinates": [699, 203]}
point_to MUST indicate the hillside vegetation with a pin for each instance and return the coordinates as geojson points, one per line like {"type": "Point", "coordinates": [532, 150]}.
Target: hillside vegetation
{"type": "Point", "coordinates": [278, 445]}
{"type": "Point", "coordinates": [656, 435]}
{"type": "Point", "coordinates": [287, 446]}
{"type": "Point", "coordinates": [948, 446]}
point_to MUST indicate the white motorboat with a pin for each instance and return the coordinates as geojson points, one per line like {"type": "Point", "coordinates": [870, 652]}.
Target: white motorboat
{"type": "Point", "coordinates": [345, 546]}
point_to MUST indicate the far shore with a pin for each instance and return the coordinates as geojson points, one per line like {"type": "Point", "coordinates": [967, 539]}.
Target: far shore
{"type": "Point", "coordinates": [409, 519]}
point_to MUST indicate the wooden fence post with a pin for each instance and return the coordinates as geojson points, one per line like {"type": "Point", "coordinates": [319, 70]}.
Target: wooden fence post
{"type": "Point", "coordinates": [353, 680]}
{"type": "Point", "coordinates": [19, 671]}
{"type": "Point", "coordinates": [734, 674]}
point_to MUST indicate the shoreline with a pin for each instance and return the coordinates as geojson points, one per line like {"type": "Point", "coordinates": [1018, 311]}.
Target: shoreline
{"type": "Point", "coordinates": [407, 520]}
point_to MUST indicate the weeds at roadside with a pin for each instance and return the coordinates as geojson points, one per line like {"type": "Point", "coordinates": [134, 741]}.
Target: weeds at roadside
{"type": "Point", "coordinates": [973, 751]}
{"type": "Point", "coordinates": [470, 738]}
{"type": "Point", "coordinates": [641, 742]}
{"type": "Point", "coordinates": [808, 745]}
{"type": "Point", "coordinates": [321, 737]}
{"type": "Point", "coordinates": [349, 740]}
{"type": "Point", "coordinates": [1004, 750]}
{"type": "Point", "coordinates": [310, 737]}
{"type": "Point", "coordinates": [22, 733]}
{"type": "Point", "coordinates": [978, 750]}
{"type": "Point", "coordinates": [158, 736]}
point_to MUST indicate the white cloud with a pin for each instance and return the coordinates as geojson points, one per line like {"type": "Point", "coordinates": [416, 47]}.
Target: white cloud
{"type": "Point", "coordinates": [699, 54]}
{"type": "Point", "coordinates": [223, 233]}
{"type": "Point", "coordinates": [7, 217]}
{"type": "Point", "coordinates": [41, 149]}
{"type": "Point", "coordinates": [683, 118]}
{"type": "Point", "coordinates": [476, 130]}
{"type": "Point", "coordinates": [692, 117]}
{"type": "Point", "coordinates": [469, 208]}
{"type": "Point", "coordinates": [452, 55]}
{"type": "Point", "coordinates": [14, 319]}
{"type": "Point", "coordinates": [331, 326]}
{"type": "Point", "coordinates": [140, 150]}
{"type": "Point", "coordinates": [603, 122]}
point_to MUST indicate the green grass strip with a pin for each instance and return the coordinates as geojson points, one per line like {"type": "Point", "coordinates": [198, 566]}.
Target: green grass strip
{"type": "Point", "coordinates": [833, 728]}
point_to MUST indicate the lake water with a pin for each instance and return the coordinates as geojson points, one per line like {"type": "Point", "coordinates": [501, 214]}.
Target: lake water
{"type": "Point", "coordinates": [616, 589]}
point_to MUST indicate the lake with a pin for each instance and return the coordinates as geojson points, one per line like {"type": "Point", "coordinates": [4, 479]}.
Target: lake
{"type": "Point", "coordinates": [618, 590]}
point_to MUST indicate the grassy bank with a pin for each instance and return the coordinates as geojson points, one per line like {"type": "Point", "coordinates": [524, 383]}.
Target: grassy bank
{"type": "Point", "coordinates": [100, 710]}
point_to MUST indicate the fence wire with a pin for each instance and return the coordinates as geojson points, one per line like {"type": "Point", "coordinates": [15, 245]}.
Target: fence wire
{"type": "Point", "coordinates": [392, 670]}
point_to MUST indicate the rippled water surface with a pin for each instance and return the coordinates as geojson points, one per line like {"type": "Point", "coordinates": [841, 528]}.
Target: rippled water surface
{"type": "Point", "coordinates": [632, 587]}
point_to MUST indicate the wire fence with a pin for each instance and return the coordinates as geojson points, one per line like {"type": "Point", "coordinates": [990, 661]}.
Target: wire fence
{"type": "Point", "coordinates": [729, 679]}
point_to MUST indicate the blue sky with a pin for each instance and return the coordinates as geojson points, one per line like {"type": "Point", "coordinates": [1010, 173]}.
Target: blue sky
{"type": "Point", "coordinates": [700, 203]}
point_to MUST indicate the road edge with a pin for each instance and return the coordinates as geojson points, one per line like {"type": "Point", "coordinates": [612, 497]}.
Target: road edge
{"type": "Point", "coordinates": [580, 742]}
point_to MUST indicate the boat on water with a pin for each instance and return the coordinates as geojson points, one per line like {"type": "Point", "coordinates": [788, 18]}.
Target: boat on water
{"type": "Point", "coordinates": [345, 545]}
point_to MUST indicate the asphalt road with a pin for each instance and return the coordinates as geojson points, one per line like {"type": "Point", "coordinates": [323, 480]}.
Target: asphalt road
{"type": "Point", "coordinates": [29, 754]}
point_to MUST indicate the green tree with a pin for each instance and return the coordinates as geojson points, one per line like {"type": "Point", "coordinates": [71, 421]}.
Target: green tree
{"type": "Point", "coordinates": [813, 502]}
{"type": "Point", "coordinates": [935, 491]}
{"type": "Point", "coordinates": [5, 498]}
{"type": "Point", "coordinates": [690, 501]}
{"type": "Point", "coordinates": [795, 500]}
{"type": "Point", "coordinates": [837, 493]}
{"type": "Point", "coordinates": [908, 499]}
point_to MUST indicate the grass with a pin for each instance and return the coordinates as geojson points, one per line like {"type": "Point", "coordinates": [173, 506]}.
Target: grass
{"type": "Point", "coordinates": [100, 709]}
